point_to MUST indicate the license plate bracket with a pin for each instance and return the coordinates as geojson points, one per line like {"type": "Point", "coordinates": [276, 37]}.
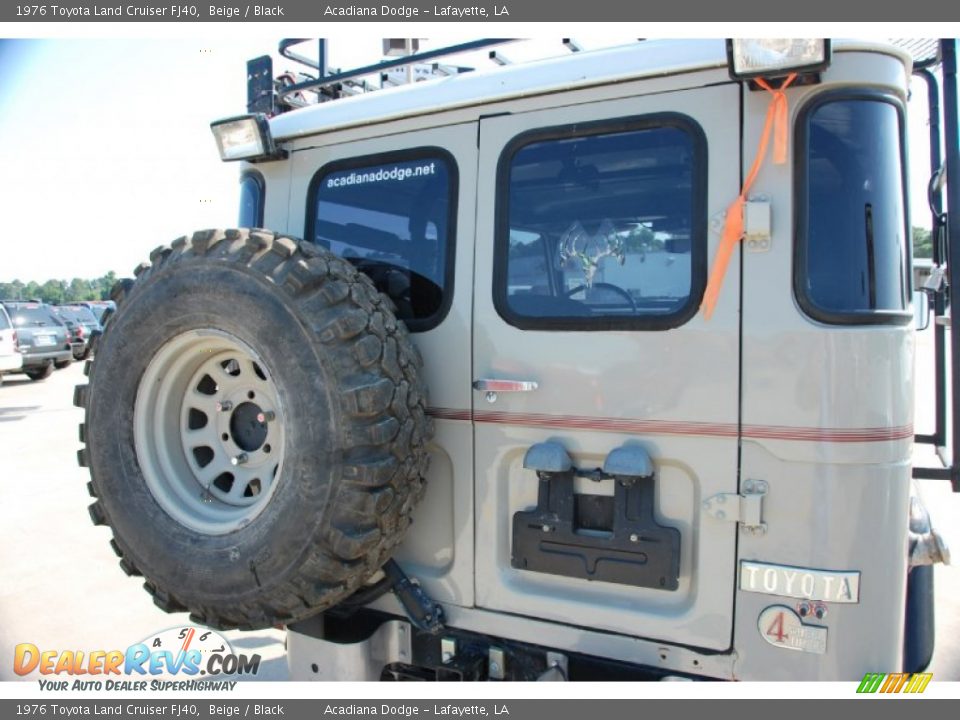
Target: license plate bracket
{"type": "Point", "coordinates": [634, 550]}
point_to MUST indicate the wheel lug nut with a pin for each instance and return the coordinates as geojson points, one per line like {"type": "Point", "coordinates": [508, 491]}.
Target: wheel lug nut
{"type": "Point", "coordinates": [239, 459]}
{"type": "Point", "coordinates": [267, 416]}
{"type": "Point", "coordinates": [224, 406]}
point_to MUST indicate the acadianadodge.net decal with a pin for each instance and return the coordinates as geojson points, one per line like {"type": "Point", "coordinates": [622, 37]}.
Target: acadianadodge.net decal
{"type": "Point", "coordinates": [182, 658]}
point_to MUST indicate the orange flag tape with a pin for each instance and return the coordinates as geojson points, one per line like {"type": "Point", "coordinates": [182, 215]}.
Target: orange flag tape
{"type": "Point", "coordinates": [733, 225]}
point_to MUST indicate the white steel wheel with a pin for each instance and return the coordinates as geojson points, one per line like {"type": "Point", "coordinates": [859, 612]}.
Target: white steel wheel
{"type": "Point", "coordinates": [209, 431]}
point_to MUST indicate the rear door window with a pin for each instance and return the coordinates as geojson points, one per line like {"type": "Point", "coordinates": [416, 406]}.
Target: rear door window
{"type": "Point", "coordinates": [77, 314]}
{"type": "Point", "coordinates": [252, 191]}
{"type": "Point", "coordinates": [852, 251]}
{"type": "Point", "coordinates": [34, 317]}
{"type": "Point", "coordinates": [393, 217]}
{"type": "Point", "coordinates": [602, 227]}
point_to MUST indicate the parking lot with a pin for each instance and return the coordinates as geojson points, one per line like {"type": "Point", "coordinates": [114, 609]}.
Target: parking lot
{"type": "Point", "coordinates": [61, 587]}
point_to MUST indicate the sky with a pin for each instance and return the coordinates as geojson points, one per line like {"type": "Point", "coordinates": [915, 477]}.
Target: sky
{"type": "Point", "coordinates": [106, 148]}
{"type": "Point", "coordinates": [106, 151]}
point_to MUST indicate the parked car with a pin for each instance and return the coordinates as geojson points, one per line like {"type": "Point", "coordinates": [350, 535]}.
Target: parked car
{"type": "Point", "coordinates": [10, 358]}
{"type": "Point", "coordinates": [97, 307]}
{"type": "Point", "coordinates": [83, 325]}
{"type": "Point", "coordinates": [43, 338]}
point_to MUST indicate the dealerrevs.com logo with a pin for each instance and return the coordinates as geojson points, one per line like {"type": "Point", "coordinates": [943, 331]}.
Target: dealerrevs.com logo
{"type": "Point", "coordinates": [201, 655]}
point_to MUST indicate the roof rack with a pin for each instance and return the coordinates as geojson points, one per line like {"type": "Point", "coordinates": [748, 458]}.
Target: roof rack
{"type": "Point", "coordinates": [271, 96]}
{"type": "Point", "coordinates": [924, 51]}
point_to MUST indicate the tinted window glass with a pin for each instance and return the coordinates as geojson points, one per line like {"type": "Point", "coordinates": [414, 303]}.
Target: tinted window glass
{"type": "Point", "coordinates": [36, 315]}
{"type": "Point", "coordinates": [853, 237]}
{"type": "Point", "coordinates": [251, 201]}
{"type": "Point", "coordinates": [76, 313]}
{"type": "Point", "coordinates": [4, 323]}
{"type": "Point", "coordinates": [600, 229]}
{"type": "Point", "coordinates": [98, 311]}
{"type": "Point", "coordinates": [393, 221]}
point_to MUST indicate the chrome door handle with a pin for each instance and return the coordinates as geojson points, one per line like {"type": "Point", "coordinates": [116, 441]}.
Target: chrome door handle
{"type": "Point", "coordinates": [492, 387]}
{"type": "Point", "coordinates": [499, 386]}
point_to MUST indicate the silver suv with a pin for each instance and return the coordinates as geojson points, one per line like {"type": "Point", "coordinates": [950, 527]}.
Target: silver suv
{"type": "Point", "coordinates": [43, 339]}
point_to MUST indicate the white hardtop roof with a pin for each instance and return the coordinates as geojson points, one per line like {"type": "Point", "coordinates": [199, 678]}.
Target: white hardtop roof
{"type": "Point", "coordinates": [581, 69]}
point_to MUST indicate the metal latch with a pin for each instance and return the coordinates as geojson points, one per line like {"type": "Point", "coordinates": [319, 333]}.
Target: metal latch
{"type": "Point", "coordinates": [757, 224]}
{"type": "Point", "coordinates": [745, 508]}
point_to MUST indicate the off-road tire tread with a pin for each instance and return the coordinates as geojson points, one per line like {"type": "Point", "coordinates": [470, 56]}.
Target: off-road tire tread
{"type": "Point", "coordinates": [383, 400]}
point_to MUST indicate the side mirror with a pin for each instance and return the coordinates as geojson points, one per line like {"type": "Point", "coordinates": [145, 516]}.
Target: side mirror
{"type": "Point", "coordinates": [921, 310]}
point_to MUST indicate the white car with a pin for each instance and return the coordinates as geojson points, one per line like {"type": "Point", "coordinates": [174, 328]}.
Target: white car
{"type": "Point", "coordinates": [10, 357]}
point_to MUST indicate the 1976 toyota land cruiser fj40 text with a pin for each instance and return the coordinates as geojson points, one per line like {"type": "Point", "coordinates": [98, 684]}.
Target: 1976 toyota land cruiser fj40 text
{"type": "Point", "coordinates": [593, 367]}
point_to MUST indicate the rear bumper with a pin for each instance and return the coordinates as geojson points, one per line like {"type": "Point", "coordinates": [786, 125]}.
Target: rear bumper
{"type": "Point", "coordinates": [35, 360]}
{"type": "Point", "coordinates": [370, 646]}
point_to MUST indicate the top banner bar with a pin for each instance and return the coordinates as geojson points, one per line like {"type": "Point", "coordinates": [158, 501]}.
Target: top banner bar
{"type": "Point", "coordinates": [481, 11]}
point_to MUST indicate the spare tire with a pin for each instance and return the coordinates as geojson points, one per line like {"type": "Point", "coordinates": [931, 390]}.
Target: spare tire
{"type": "Point", "coordinates": [255, 428]}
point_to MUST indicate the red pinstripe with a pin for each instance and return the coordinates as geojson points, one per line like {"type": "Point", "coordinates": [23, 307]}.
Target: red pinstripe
{"type": "Point", "coordinates": [679, 427]}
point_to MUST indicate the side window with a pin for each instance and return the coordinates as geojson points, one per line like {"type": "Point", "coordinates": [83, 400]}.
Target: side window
{"type": "Point", "coordinates": [4, 322]}
{"type": "Point", "coordinates": [851, 252]}
{"type": "Point", "coordinates": [393, 217]}
{"type": "Point", "coordinates": [603, 226]}
{"type": "Point", "coordinates": [251, 200]}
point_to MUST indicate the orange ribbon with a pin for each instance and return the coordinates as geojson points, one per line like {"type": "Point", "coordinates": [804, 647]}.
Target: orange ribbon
{"type": "Point", "coordinates": [733, 226]}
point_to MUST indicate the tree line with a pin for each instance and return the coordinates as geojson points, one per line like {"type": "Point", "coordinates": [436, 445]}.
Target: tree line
{"type": "Point", "coordinates": [922, 243]}
{"type": "Point", "coordinates": [57, 292]}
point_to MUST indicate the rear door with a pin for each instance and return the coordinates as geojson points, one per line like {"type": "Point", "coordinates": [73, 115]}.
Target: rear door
{"type": "Point", "coordinates": [598, 251]}
{"type": "Point", "coordinates": [400, 207]}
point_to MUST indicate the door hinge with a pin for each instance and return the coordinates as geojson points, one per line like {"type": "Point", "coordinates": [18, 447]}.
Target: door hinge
{"type": "Point", "coordinates": [745, 508]}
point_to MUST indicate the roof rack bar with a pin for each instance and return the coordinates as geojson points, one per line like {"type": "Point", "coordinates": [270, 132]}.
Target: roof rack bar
{"type": "Point", "coordinates": [447, 70]}
{"type": "Point", "coordinates": [381, 66]}
{"type": "Point", "coordinates": [284, 49]}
